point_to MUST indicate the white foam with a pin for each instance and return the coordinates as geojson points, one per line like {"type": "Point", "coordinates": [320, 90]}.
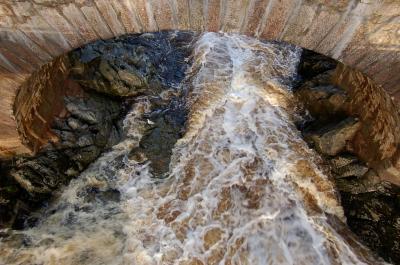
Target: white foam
{"type": "Point", "coordinates": [241, 171]}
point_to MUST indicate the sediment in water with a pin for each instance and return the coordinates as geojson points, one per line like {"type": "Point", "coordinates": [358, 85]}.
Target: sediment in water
{"type": "Point", "coordinates": [242, 186]}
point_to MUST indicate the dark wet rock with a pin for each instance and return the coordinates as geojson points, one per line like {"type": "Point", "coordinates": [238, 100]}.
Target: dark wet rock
{"type": "Point", "coordinates": [312, 64]}
{"type": "Point", "coordinates": [150, 63]}
{"type": "Point", "coordinates": [165, 126]}
{"type": "Point", "coordinates": [369, 182]}
{"type": "Point", "coordinates": [333, 139]}
{"type": "Point", "coordinates": [91, 126]}
{"type": "Point", "coordinates": [347, 166]}
{"type": "Point", "coordinates": [110, 72]}
{"type": "Point", "coordinates": [92, 109]}
{"type": "Point", "coordinates": [115, 135]}
{"type": "Point", "coordinates": [325, 102]}
{"type": "Point", "coordinates": [111, 81]}
{"type": "Point", "coordinates": [87, 155]}
{"type": "Point", "coordinates": [10, 191]}
{"type": "Point", "coordinates": [75, 124]}
{"type": "Point", "coordinates": [130, 79]}
{"type": "Point", "coordinates": [352, 170]}
{"type": "Point", "coordinates": [375, 218]}
{"type": "Point", "coordinates": [342, 160]}
{"type": "Point", "coordinates": [132, 64]}
{"type": "Point", "coordinates": [14, 238]}
{"type": "Point", "coordinates": [371, 205]}
{"type": "Point", "coordinates": [103, 196]}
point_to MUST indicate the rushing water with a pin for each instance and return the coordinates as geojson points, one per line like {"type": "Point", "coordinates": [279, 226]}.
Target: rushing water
{"type": "Point", "coordinates": [243, 187]}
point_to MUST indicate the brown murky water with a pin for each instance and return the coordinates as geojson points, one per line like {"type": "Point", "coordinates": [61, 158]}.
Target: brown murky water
{"type": "Point", "coordinates": [243, 187]}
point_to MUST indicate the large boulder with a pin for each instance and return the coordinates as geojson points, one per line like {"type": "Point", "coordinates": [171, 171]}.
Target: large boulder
{"type": "Point", "coordinates": [332, 139]}
{"type": "Point", "coordinates": [105, 76]}
{"type": "Point", "coordinates": [313, 64]}
{"type": "Point", "coordinates": [323, 100]}
{"type": "Point", "coordinates": [132, 64]}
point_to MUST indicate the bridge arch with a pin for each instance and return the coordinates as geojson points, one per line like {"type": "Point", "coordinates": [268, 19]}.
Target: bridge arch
{"type": "Point", "coordinates": [361, 34]}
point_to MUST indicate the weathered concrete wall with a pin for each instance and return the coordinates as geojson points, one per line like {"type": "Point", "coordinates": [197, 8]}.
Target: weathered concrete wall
{"type": "Point", "coordinates": [363, 34]}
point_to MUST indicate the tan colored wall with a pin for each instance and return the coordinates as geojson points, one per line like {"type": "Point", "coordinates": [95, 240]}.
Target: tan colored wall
{"type": "Point", "coordinates": [363, 34]}
{"type": "Point", "coordinates": [39, 100]}
{"type": "Point", "coordinates": [377, 141]}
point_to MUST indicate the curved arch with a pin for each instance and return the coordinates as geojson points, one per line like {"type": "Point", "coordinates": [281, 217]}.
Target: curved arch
{"type": "Point", "coordinates": [363, 35]}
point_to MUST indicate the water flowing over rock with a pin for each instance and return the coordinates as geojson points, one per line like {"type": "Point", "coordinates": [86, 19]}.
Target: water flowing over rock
{"type": "Point", "coordinates": [357, 145]}
{"type": "Point", "coordinates": [87, 119]}
{"type": "Point", "coordinates": [90, 124]}
{"type": "Point", "coordinates": [242, 186]}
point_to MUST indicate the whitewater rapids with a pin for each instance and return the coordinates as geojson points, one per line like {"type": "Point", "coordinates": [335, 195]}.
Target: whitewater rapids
{"type": "Point", "coordinates": [243, 186]}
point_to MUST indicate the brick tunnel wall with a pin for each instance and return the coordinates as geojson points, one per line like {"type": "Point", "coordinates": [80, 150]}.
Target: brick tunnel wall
{"type": "Point", "coordinates": [362, 34]}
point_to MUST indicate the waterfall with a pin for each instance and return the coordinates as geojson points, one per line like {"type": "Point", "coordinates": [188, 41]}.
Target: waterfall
{"type": "Point", "coordinates": [243, 187]}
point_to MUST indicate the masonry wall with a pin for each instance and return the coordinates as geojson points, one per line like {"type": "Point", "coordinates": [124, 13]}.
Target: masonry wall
{"type": "Point", "coordinates": [377, 142]}
{"type": "Point", "coordinates": [363, 34]}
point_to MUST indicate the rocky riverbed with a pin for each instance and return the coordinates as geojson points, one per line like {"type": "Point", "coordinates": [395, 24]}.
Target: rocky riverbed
{"type": "Point", "coordinates": [107, 77]}
{"type": "Point", "coordinates": [104, 79]}
{"type": "Point", "coordinates": [372, 205]}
